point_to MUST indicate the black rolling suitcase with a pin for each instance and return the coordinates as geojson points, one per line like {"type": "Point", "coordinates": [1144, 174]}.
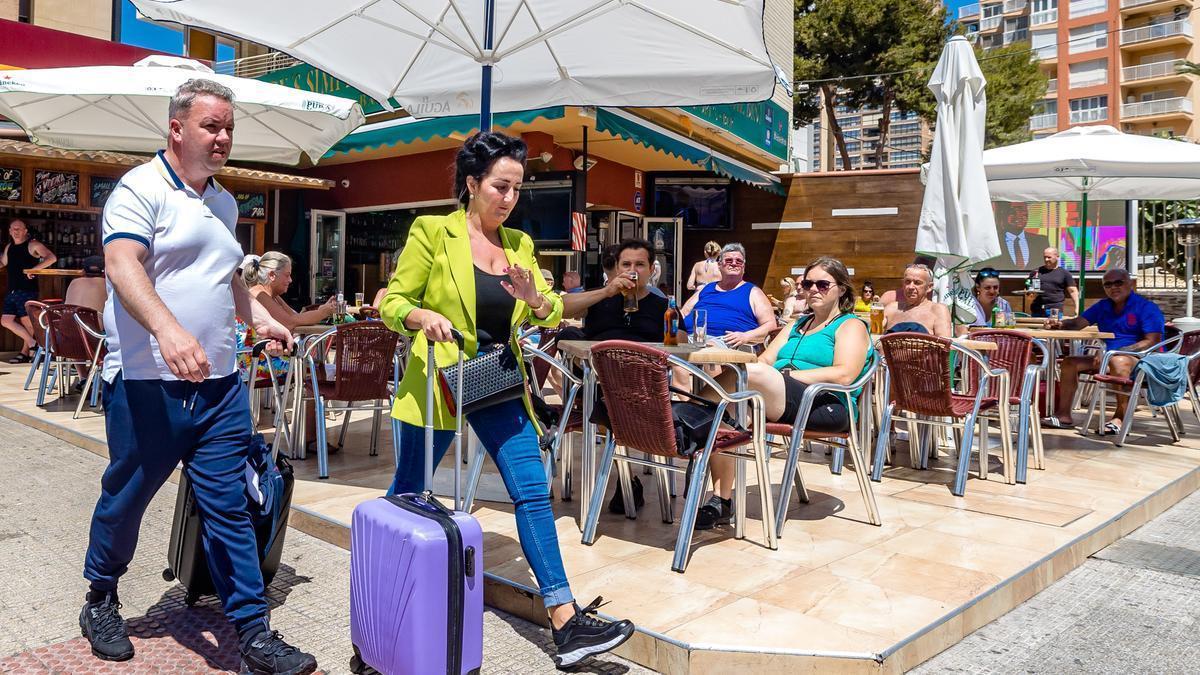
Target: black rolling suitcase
{"type": "Point", "coordinates": [185, 554]}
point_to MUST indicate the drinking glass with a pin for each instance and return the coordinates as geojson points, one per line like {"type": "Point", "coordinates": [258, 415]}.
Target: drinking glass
{"type": "Point", "coordinates": [358, 300]}
{"type": "Point", "coordinates": [631, 299]}
{"type": "Point", "coordinates": [1056, 316]}
{"type": "Point", "coordinates": [700, 327]}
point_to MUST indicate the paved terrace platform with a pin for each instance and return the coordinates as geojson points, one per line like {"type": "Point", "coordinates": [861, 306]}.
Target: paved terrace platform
{"type": "Point", "coordinates": [840, 595]}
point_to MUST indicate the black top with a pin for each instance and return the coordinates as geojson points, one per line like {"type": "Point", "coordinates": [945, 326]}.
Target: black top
{"type": "Point", "coordinates": [493, 309]}
{"type": "Point", "coordinates": [606, 320]}
{"type": "Point", "coordinates": [19, 260]}
{"type": "Point", "coordinates": [1055, 283]}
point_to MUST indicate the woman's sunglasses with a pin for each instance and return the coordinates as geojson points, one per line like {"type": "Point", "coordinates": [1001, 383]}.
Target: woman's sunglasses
{"type": "Point", "coordinates": [989, 273]}
{"type": "Point", "coordinates": [822, 285]}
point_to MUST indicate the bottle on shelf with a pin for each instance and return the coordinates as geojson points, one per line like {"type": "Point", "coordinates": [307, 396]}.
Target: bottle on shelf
{"type": "Point", "coordinates": [671, 323]}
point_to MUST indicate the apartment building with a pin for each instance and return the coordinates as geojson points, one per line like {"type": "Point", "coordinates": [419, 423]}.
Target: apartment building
{"type": "Point", "coordinates": [1108, 61]}
{"type": "Point", "coordinates": [907, 136]}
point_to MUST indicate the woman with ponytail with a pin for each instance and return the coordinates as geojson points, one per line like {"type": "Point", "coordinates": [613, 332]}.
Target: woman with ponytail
{"type": "Point", "coordinates": [268, 277]}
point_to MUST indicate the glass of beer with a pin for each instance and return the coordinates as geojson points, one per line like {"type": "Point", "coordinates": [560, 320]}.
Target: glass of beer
{"type": "Point", "coordinates": [631, 299]}
{"type": "Point", "coordinates": [358, 300]}
{"type": "Point", "coordinates": [876, 318]}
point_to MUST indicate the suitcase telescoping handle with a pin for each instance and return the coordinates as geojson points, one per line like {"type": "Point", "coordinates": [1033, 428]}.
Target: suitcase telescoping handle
{"type": "Point", "coordinates": [430, 368]}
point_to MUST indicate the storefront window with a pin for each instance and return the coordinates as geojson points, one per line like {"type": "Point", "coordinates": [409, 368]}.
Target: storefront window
{"type": "Point", "coordinates": [703, 203]}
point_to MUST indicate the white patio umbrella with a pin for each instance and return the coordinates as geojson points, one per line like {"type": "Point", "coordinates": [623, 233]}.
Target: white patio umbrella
{"type": "Point", "coordinates": [443, 58]}
{"type": "Point", "coordinates": [956, 223]}
{"type": "Point", "coordinates": [1093, 162]}
{"type": "Point", "coordinates": [125, 108]}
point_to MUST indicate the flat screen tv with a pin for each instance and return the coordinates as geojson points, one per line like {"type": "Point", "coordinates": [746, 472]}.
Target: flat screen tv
{"type": "Point", "coordinates": [702, 205]}
{"type": "Point", "coordinates": [1025, 230]}
{"type": "Point", "coordinates": [544, 211]}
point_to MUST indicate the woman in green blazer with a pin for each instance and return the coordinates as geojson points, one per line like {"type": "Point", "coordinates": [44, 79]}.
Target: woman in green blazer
{"type": "Point", "coordinates": [467, 271]}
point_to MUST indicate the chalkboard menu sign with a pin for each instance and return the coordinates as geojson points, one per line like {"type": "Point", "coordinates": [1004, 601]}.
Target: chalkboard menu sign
{"type": "Point", "coordinates": [10, 184]}
{"type": "Point", "coordinates": [251, 204]}
{"type": "Point", "coordinates": [101, 189]}
{"type": "Point", "coordinates": [56, 187]}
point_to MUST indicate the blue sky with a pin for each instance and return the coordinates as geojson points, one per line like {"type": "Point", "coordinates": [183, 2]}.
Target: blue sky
{"type": "Point", "coordinates": [151, 36]}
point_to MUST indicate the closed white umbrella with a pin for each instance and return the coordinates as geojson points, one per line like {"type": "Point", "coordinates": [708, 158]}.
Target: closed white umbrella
{"type": "Point", "coordinates": [125, 108]}
{"type": "Point", "coordinates": [1089, 163]}
{"type": "Point", "coordinates": [956, 223]}
{"type": "Point", "coordinates": [444, 58]}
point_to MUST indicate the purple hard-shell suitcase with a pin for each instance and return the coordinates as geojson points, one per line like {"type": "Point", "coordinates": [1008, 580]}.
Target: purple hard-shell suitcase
{"type": "Point", "coordinates": [416, 579]}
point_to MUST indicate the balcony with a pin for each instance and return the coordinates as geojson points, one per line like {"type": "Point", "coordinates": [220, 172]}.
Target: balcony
{"type": "Point", "coordinates": [968, 11]}
{"type": "Point", "coordinates": [1011, 6]}
{"type": "Point", "coordinates": [990, 23]}
{"type": "Point", "coordinates": [1043, 17]}
{"type": "Point", "coordinates": [1016, 35]}
{"type": "Point", "coordinates": [1180, 28]}
{"type": "Point", "coordinates": [1043, 121]}
{"type": "Point", "coordinates": [1140, 4]}
{"type": "Point", "coordinates": [1052, 87]}
{"type": "Point", "coordinates": [1150, 71]}
{"type": "Point", "coordinates": [255, 66]}
{"type": "Point", "coordinates": [1089, 115]}
{"type": "Point", "coordinates": [1166, 106]}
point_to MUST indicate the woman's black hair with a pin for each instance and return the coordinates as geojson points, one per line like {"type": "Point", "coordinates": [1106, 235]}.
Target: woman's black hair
{"type": "Point", "coordinates": [476, 157]}
{"type": "Point", "coordinates": [985, 273]}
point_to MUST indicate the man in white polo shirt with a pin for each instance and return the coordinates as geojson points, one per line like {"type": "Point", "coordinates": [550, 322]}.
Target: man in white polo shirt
{"type": "Point", "coordinates": [171, 389]}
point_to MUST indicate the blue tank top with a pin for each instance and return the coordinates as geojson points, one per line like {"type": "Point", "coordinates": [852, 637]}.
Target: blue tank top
{"type": "Point", "coordinates": [728, 311]}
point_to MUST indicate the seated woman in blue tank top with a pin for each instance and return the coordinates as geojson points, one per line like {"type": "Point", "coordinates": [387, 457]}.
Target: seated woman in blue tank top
{"type": "Point", "coordinates": [828, 344]}
{"type": "Point", "coordinates": [739, 312]}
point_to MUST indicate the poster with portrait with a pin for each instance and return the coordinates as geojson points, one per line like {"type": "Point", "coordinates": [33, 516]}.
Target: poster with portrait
{"type": "Point", "coordinates": [1026, 230]}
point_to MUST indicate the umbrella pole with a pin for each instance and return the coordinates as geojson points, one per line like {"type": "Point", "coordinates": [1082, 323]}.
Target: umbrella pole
{"type": "Point", "coordinates": [1083, 247]}
{"type": "Point", "coordinates": [485, 89]}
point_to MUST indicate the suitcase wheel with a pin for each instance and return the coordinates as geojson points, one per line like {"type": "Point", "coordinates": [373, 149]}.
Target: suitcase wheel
{"type": "Point", "coordinates": [168, 575]}
{"type": "Point", "coordinates": [191, 599]}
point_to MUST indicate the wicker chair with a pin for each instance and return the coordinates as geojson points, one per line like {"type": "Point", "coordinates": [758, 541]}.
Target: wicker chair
{"type": "Point", "coordinates": [918, 387]}
{"type": "Point", "coordinates": [364, 366]}
{"type": "Point", "coordinates": [97, 342]}
{"type": "Point", "coordinates": [1102, 383]}
{"type": "Point", "coordinates": [67, 347]}
{"type": "Point", "coordinates": [34, 309]}
{"type": "Point", "coordinates": [1014, 353]}
{"type": "Point", "coordinates": [635, 382]}
{"type": "Point", "coordinates": [854, 438]}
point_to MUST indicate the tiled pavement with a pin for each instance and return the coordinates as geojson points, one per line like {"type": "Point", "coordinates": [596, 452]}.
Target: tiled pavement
{"type": "Point", "coordinates": [47, 491]}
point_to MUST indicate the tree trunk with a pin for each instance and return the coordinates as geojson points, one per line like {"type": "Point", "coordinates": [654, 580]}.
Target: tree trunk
{"type": "Point", "coordinates": [885, 123]}
{"type": "Point", "coordinates": [829, 97]}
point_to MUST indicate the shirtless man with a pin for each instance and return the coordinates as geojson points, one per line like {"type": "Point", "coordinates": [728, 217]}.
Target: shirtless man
{"type": "Point", "coordinates": [915, 305]}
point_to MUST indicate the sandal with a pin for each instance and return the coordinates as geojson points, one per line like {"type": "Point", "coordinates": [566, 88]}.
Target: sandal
{"type": "Point", "coordinates": [21, 358]}
{"type": "Point", "coordinates": [1111, 429]}
{"type": "Point", "coordinates": [1055, 423]}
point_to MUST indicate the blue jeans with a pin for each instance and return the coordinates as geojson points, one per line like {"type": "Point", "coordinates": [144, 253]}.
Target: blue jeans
{"type": "Point", "coordinates": [510, 438]}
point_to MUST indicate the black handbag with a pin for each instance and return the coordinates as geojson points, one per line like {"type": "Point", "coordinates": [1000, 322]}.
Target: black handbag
{"type": "Point", "coordinates": [491, 377]}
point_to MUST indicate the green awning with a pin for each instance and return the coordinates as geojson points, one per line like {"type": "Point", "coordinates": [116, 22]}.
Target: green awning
{"type": "Point", "coordinates": [648, 134]}
{"type": "Point", "coordinates": [411, 130]}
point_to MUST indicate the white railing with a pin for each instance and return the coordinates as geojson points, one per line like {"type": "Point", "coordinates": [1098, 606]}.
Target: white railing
{"type": "Point", "coordinates": [1089, 115]}
{"type": "Point", "coordinates": [1150, 70]}
{"type": "Point", "coordinates": [1043, 17]}
{"type": "Point", "coordinates": [1016, 35]}
{"type": "Point", "coordinates": [255, 66]}
{"type": "Point", "coordinates": [1137, 3]}
{"type": "Point", "coordinates": [968, 10]}
{"type": "Point", "coordinates": [1043, 121]}
{"type": "Point", "coordinates": [1046, 52]}
{"type": "Point", "coordinates": [1011, 6]}
{"type": "Point", "coordinates": [1088, 78]}
{"type": "Point", "coordinates": [990, 22]}
{"type": "Point", "coordinates": [1052, 86]}
{"type": "Point", "coordinates": [1156, 31]}
{"type": "Point", "coordinates": [1159, 107]}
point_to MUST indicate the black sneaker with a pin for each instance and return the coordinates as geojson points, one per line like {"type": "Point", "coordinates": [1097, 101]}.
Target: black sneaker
{"type": "Point", "coordinates": [714, 512]}
{"type": "Point", "coordinates": [585, 635]}
{"type": "Point", "coordinates": [617, 503]}
{"type": "Point", "coordinates": [267, 654]}
{"type": "Point", "coordinates": [101, 623]}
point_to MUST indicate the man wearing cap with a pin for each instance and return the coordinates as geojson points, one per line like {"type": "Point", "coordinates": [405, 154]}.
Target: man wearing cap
{"type": "Point", "coordinates": [89, 290]}
{"type": "Point", "coordinates": [171, 389]}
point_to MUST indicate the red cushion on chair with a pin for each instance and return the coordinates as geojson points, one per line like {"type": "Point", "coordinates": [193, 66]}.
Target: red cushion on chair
{"type": "Point", "coordinates": [779, 429]}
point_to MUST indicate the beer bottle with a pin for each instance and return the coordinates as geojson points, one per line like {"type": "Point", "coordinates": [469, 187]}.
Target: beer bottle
{"type": "Point", "coordinates": [671, 323]}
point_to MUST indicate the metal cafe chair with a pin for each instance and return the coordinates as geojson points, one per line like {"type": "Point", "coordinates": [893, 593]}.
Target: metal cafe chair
{"type": "Point", "coordinates": [853, 438]}
{"type": "Point", "coordinates": [67, 347]}
{"type": "Point", "coordinates": [34, 309]}
{"type": "Point", "coordinates": [1189, 343]}
{"type": "Point", "coordinates": [364, 366]}
{"type": "Point", "coordinates": [634, 379]}
{"type": "Point", "coordinates": [95, 341]}
{"type": "Point", "coordinates": [1133, 387]}
{"type": "Point", "coordinates": [918, 390]}
{"type": "Point", "coordinates": [1015, 354]}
